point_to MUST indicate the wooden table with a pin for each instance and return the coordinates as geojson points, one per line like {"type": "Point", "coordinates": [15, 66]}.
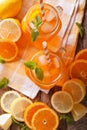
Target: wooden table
{"type": "Point", "coordinates": [82, 123]}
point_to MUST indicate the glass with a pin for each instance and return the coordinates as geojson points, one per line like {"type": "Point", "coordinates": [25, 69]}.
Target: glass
{"type": "Point", "coordinates": [49, 28]}
{"type": "Point", "coordinates": [53, 71]}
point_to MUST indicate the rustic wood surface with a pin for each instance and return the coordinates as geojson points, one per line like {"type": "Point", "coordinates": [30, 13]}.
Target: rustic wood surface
{"type": "Point", "coordinates": [82, 123]}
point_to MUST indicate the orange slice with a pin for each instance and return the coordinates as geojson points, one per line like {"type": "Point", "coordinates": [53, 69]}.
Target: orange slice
{"type": "Point", "coordinates": [45, 119]}
{"type": "Point", "coordinates": [76, 88]}
{"type": "Point", "coordinates": [30, 110]}
{"type": "Point", "coordinates": [8, 50]}
{"type": "Point", "coordinates": [78, 111]}
{"type": "Point", "coordinates": [62, 101]}
{"type": "Point", "coordinates": [82, 54]}
{"type": "Point", "coordinates": [78, 69]}
{"type": "Point", "coordinates": [10, 29]}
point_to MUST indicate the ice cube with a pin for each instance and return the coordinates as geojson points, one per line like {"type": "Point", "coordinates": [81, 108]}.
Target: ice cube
{"type": "Point", "coordinates": [56, 62]}
{"type": "Point", "coordinates": [46, 27]}
{"type": "Point", "coordinates": [50, 16]}
{"type": "Point", "coordinates": [32, 25]}
{"type": "Point", "coordinates": [42, 60]}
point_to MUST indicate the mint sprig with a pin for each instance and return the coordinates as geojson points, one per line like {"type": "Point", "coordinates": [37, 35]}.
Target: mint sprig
{"type": "Point", "coordinates": [2, 60]}
{"type": "Point", "coordinates": [38, 71]}
{"type": "Point", "coordinates": [81, 29]}
{"type": "Point", "coordinates": [31, 64]}
{"type": "Point", "coordinates": [35, 32]}
{"type": "Point", "coordinates": [4, 82]}
{"type": "Point", "coordinates": [21, 125]}
{"type": "Point", "coordinates": [67, 117]}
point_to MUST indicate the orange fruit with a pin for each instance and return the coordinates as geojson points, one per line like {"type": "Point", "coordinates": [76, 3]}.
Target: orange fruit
{"type": "Point", "coordinates": [30, 110]}
{"type": "Point", "coordinates": [78, 111]}
{"type": "Point", "coordinates": [8, 50]}
{"type": "Point", "coordinates": [45, 119]}
{"type": "Point", "coordinates": [10, 28]}
{"type": "Point", "coordinates": [76, 88]}
{"type": "Point", "coordinates": [82, 54]}
{"type": "Point", "coordinates": [78, 69]}
{"type": "Point", "coordinates": [62, 101]}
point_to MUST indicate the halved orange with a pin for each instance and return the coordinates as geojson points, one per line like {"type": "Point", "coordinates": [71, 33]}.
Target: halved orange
{"type": "Point", "coordinates": [30, 110]}
{"type": "Point", "coordinates": [76, 88]}
{"type": "Point", "coordinates": [78, 69]}
{"type": "Point", "coordinates": [8, 50]}
{"type": "Point", "coordinates": [82, 54]}
{"type": "Point", "coordinates": [10, 28]}
{"type": "Point", "coordinates": [62, 101]}
{"type": "Point", "coordinates": [45, 119]}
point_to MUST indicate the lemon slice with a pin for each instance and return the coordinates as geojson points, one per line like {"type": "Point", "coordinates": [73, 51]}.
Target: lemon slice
{"type": "Point", "coordinates": [7, 98]}
{"type": "Point", "coordinates": [18, 107]}
{"type": "Point", "coordinates": [78, 111]}
{"type": "Point", "coordinates": [10, 29]}
{"type": "Point", "coordinates": [62, 101]}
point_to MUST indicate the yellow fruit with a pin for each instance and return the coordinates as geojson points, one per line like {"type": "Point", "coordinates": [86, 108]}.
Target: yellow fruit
{"type": "Point", "coordinates": [76, 88]}
{"type": "Point", "coordinates": [18, 107]}
{"type": "Point", "coordinates": [78, 111]}
{"type": "Point", "coordinates": [62, 101]}
{"type": "Point", "coordinates": [9, 8]}
{"type": "Point", "coordinates": [10, 29]}
{"type": "Point", "coordinates": [7, 98]}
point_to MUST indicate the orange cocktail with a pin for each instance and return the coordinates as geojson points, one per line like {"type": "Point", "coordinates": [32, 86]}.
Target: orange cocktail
{"type": "Point", "coordinates": [48, 31]}
{"type": "Point", "coordinates": [52, 71]}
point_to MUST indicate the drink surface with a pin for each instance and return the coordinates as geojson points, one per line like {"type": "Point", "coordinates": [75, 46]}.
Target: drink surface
{"type": "Point", "coordinates": [51, 71]}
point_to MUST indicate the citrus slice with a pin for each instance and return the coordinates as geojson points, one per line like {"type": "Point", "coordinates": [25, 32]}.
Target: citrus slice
{"type": "Point", "coordinates": [62, 101]}
{"type": "Point", "coordinates": [30, 110]}
{"type": "Point", "coordinates": [45, 119]}
{"type": "Point", "coordinates": [18, 107]}
{"type": "Point", "coordinates": [8, 50]}
{"type": "Point", "coordinates": [78, 69]}
{"type": "Point", "coordinates": [7, 98]}
{"type": "Point", "coordinates": [78, 111]}
{"type": "Point", "coordinates": [10, 29]}
{"type": "Point", "coordinates": [76, 88]}
{"type": "Point", "coordinates": [82, 54]}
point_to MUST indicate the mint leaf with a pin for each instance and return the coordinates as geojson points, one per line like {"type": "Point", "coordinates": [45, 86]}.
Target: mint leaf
{"type": "Point", "coordinates": [2, 61]}
{"type": "Point", "coordinates": [25, 128]}
{"type": "Point", "coordinates": [30, 64]}
{"type": "Point", "coordinates": [39, 73]}
{"type": "Point", "coordinates": [38, 21]}
{"type": "Point", "coordinates": [67, 117]}
{"type": "Point", "coordinates": [18, 123]}
{"type": "Point", "coordinates": [4, 82]}
{"type": "Point", "coordinates": [34, 34]}
{"type": "Point", "coordinates": [81, 29]}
